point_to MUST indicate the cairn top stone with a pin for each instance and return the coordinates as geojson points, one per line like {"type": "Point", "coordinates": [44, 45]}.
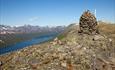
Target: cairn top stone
{"type": "Point", "coordinates": [88, 23]}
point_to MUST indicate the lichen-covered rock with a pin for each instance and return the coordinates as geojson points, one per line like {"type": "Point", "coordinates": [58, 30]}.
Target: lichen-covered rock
{"type": "Point", "coordinates": [88, 23]}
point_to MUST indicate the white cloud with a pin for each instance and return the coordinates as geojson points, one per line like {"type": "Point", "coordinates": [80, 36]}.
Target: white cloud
{"type": "Point", "coordinates": [33, 19]}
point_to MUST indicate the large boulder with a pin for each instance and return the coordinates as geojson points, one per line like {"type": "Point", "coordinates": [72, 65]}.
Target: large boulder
{"type": "Point", "coordinates": [88, 23]}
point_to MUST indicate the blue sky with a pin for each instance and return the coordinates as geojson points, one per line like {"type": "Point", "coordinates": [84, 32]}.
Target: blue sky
{"type": "Point", "coordinates": [53, 12]}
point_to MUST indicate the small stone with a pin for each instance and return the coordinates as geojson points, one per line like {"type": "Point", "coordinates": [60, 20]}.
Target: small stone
{"type": "Point", "coordinates": [63, 64]}
{"type": "Point", "coordinates": [49, 67]}
{"type": "Point", "coordinates": [79, 46]}
{"type": "Point", "coordinates": [98, 37]}
{"type": "Point", "coordinates": [46, 61]}
{"type": "Point", "coordinates": [84, 48]}
{"type": "Point", "coordinates": [1, 63]}
{"type": "Point", "coordinates": [34, 63]}
{"type": "Point", "coordinates": [110, 39]}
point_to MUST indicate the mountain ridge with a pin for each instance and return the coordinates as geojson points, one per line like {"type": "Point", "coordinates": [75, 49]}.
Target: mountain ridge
{"type": "Point", "coordinates": [73, 51]}
{"type": "Point", "coordinates": [4, 29]}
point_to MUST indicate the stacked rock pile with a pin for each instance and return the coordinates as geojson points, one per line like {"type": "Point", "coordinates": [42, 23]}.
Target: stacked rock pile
{"type": "Point", "coordinates": [88, 23]}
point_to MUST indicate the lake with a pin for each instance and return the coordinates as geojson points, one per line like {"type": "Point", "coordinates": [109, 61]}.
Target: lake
{"type": "Point", "coordinates": [33, 41]}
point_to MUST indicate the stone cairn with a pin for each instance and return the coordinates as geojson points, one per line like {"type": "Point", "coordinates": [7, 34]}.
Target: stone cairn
{"type": "Point", "coordinates": [88, 23]}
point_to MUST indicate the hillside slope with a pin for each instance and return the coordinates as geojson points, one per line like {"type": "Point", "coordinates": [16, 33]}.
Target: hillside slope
{"type": "Point", "coordinates": [70, 51]}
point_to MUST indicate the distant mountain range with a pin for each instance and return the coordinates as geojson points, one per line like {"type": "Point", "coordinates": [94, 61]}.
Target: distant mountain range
{"type": "Point", "coordinates": [4, 29]}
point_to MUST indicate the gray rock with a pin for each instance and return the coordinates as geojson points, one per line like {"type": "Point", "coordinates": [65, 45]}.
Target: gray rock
{"type": "Point", "coordinates": [98, 37]}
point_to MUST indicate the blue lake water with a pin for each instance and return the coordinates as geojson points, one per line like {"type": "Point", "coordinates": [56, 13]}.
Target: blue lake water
{"type": "Point", "coordinates": [23, 44]}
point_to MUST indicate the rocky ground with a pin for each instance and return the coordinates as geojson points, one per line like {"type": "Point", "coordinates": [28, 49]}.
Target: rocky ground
{"type": "Point", "coordinates": [72, 51]}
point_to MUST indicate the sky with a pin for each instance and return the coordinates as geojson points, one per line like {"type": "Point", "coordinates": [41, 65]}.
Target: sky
{"type": "Point", "coordinates": [53, 12]}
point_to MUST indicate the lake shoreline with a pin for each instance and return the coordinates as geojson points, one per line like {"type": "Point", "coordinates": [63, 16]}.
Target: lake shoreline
{"type": "Point", "coordinates": [21, 45]}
